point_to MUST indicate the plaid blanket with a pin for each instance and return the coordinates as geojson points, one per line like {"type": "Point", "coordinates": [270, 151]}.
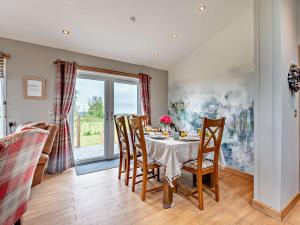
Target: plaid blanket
{"type": "Point", "coordinates": [19, 155]}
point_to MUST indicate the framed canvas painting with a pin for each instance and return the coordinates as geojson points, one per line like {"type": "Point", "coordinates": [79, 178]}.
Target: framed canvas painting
{"type": "Point", "coordinates": [34, 87]}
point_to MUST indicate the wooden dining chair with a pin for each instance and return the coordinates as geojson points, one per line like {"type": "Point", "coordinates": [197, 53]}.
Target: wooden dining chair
{"type": "Point", "coordinates": [144, 162]}
{"type": "Point", "coordinates": [203, 166]}
{"type": "Point", "coordinates": [144, 119]}
{"type": "Point", "coordinates": [125, 149]}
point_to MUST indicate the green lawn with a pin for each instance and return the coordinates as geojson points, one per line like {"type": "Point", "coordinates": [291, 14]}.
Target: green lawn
{"type": "Point", "coordinates": [91, 131]}
{"type": "Point", "coordinates": [90, 140]}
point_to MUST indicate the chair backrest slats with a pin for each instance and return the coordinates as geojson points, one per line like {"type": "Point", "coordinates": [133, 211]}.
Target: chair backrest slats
{"type": "Point", "coordinates": [144, 119]}
{"type": "Point", "coordinates": [137, 137]}
{"type": "Point", "coordinates": [209, 149]}
{"type": "Point", "coordinates": [122, 134]}
{"type": "Point", "coordinates": [212, 132]}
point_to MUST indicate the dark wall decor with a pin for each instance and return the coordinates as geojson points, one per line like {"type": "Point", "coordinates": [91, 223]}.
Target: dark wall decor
{"type": "Point", "coordinates": [294, 78]}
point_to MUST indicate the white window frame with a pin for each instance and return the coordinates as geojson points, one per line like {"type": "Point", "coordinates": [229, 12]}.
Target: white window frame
{"type": "Point", "coordinates": [109, 106]}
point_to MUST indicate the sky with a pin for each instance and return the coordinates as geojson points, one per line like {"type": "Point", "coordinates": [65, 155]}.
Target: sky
{"type": "Point", "coordinates": [125, 95]}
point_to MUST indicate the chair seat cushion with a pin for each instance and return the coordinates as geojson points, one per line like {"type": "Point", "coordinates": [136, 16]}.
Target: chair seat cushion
{"type": "Point", "coordinates": [150, 160]}
{"type": "Point", "coordinates": [206, 163]}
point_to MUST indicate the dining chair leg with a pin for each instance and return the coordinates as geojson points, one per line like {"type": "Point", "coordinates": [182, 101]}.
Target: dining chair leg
{"type": "Point", "coordinates": [127, 171]}
{"type": "Point", "coordinates": [144, 185]}
{"type": "Point", "coordinates": [211, 180]}
{"type": "Point", "coordinates": [216, 184]}
{"type": "Point", "coordinates": [194, 180]}
{"type": "Point", "coordinates": [120, 165]}
{"type": "Point", "coordinates": [200, 191]}
{"type": "Point", "coordinates": [134, 175]}
{"type": "Point", "coordinates": [125, 163]}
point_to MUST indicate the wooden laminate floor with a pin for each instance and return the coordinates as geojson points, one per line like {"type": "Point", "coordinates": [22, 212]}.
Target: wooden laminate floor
{"type": "Point", "coordinates": [100, 198]}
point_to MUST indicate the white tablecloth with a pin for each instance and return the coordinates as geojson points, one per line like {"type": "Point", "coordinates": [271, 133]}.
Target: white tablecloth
{"type": "Point", "coordinates": [172, 154]}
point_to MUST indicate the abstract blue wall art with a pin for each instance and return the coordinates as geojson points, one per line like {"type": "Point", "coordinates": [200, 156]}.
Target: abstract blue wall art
{"type": "Point", "coordinates": [187, 109]}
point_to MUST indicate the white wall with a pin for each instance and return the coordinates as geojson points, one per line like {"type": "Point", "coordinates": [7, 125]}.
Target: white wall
{"type": "Point", "coordinates": [290, 124]}
{"type": "Point", "coordinates": [267, 171]}
{"type": "Point", "coordinates": [29, 59]}
{"type": "Point", "coordinates": [277, 130]}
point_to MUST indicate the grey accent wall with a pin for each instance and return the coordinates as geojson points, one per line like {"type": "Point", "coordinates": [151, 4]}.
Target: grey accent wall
{"type": "Point", "coordinates": [35, 60]}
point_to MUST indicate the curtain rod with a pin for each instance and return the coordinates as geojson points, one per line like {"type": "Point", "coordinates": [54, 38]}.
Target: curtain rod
{"type": "Point", "coordinates": [107, 71]}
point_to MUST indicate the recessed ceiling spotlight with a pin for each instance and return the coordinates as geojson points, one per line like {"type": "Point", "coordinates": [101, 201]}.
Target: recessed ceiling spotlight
{"type": "Point", "coordinates": [155, 54]}
{"type": "Point", "coordinates": [202, 8]}
{"type": "Point", "coordinates": [174, 35]}
{"type": "Point", "coordinates": [132, 19]}
{"type": "Point", "coordinates": [66, 32]}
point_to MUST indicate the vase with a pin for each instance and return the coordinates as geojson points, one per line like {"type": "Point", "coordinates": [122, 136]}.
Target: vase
{"type": "Point", "coordinates": [166, 127]}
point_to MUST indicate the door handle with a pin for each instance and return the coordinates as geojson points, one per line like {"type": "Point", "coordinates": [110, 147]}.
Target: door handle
{"type": "Point", "coordinates": [106, 115]}
{"type": "Point", "coordinates": [112, 115]}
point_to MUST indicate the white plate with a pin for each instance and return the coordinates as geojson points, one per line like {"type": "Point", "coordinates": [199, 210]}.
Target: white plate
{"type": "Point", "coordinates": [189, 138]}
{"type": "Point", "coordinates": [193, 135]}
{"type": "Point", "coordinates": [157, 136]}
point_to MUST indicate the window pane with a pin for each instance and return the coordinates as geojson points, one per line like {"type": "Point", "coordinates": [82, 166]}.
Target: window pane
{"type": "Point", "coordinates": [125, 102]}
{"type": "Point", "coordinates": [89, 115]}
{"type": "Point", "coordinates": [125, 98]}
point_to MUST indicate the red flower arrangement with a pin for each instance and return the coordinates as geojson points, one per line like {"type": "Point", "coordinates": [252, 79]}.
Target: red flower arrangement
{"type": "Point", "coordinates": [165, 119]}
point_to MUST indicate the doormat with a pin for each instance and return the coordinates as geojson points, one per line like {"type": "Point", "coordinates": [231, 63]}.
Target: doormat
{"type": "Point", "coordinates": [93, 167]}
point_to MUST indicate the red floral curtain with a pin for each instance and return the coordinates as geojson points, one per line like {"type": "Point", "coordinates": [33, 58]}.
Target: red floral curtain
{"type": "Point", "coordinates": [145, 94]}
{"type": "Point", "coordinates": [61, 157]}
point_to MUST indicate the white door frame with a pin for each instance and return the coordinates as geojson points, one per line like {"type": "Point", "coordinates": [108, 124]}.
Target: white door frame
{"type": "Point", "coordinates": [111, 125]}
{"type": "Point", "coordinates": [109, 81]}
{"type": "Point", "coordinates": [90, 76]}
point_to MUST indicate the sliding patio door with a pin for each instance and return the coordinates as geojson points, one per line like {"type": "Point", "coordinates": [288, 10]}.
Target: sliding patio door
{"type": "Point", "coordinates": [126, 102]}
{"type": "Point", "coordinates": [89, 119]}
{"type": "Point", "coordinates": [97, 99]}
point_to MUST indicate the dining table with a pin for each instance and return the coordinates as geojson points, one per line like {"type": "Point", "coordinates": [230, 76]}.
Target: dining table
{"type": "Point", "coordinates": [171, 154]}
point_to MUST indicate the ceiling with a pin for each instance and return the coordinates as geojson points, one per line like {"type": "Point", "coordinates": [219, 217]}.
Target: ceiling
{"type": "Point", "coordinates": [102, 27]}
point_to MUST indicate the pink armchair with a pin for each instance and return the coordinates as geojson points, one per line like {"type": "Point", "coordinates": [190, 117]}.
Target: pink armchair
{"type": "Point", "coordinates": [19, 155]}
{"type": "Point", "coordinates": [42, 164]}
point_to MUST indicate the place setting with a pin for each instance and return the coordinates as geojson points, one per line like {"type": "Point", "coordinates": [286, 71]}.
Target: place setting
{"type": "Point", "coordinates": [168, 131]}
